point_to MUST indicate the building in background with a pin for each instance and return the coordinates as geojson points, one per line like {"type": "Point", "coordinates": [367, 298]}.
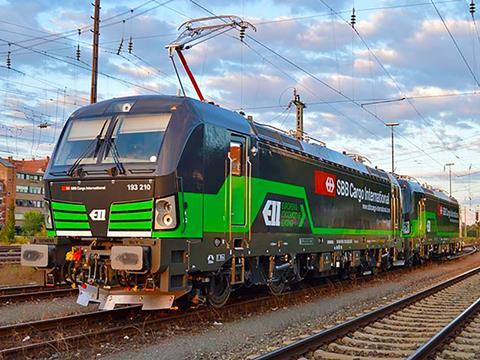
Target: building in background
{"type": "Point", "coordinates": [21, 181]}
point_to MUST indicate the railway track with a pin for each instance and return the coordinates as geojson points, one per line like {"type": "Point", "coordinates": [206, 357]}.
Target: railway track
{"type": "Point", "coordinates": [10, 254]}
{"type": "Point", "coordinates": [56, 335]}
{"type": "Point", "coordinates": [29, 292]}
{"type": "Point", "coordinates": [464, 335]}
{"type": "Point", "coordinates": [394, 331]}
{"type": "Point", "coordinates": [45, 337]}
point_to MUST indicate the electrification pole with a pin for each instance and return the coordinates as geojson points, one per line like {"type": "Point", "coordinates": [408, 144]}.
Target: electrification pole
{"type": "Point", "coordinates": [391, 125]}
{"type": "Point", "coordinates": [300, 106]}
{"type": "Point", "coordinates": [96, 34]}
{"type": "Point", "coordinates": [449, 174]}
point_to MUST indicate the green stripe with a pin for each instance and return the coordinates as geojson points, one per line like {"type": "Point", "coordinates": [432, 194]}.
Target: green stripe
{"type": "Point", "coordinates": [71, 225]}
{"type": "Point", "coordinates": [141, 205]}
{"type": "Point", "coordinates": [350, 231]}
{"type": "Point", "coordinates": [144, 215]}
{"type": "Point", "coordinates": [69, 216]}
{"type": "Point", "coordinates": [141, 225]}
{"type": "Point", "coordinates": [51, 233]}
{"type": "Point", "coordinates": [68, 207]}
{"type": "Point", "coordinates": [215, 222]}
{"type": "Point", "coordinates": [454, 234]}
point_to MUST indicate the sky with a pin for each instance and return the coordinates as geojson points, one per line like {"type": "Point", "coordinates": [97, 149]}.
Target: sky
{"type": "Point", "coordinates": [415, 62]}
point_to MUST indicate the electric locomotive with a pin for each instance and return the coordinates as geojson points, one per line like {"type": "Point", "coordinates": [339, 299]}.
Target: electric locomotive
{"type": "Point", "coordinates": [152, 199]}
{"type": "Point", "coordinates": [430, 220]}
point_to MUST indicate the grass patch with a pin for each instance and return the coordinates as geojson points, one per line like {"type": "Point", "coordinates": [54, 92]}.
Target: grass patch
{"type": "Point", "coordinates": [15, 274]}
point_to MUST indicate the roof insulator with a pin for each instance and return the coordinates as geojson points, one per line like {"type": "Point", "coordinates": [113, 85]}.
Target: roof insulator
{"type": "Point", "coordinates": [242, 32]}
{"type": "Point", "coordinates": [472, 7]}
{"type": "Point", "coordinates": [120, 47]}
{"type": "Point", "coordinates": [353, 19]}
{"type": "Point", "coordinates": [130, 45]}
{"type": "Point", "coordinates": [9, 61]}
{"type": "Point", "coordinates": [78, 52]}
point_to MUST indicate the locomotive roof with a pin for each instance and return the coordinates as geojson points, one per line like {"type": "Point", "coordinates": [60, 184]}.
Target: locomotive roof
{"type": "Point", "coordinates": [415, 186]}
{"type": "Point", "coordinates": [213, 114]}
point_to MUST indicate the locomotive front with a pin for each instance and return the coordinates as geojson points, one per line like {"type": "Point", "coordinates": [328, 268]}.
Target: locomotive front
{"type": "Point", "coordinates": [111, 190]}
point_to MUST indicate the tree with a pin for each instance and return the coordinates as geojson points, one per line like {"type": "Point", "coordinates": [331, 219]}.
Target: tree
{"type": "Point", "coordinates": [33, 222]}
{"type": "Point", "coordinates": [8, 231]}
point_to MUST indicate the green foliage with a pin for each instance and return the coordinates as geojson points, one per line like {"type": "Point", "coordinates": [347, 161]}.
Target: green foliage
{"type": "Point", "coordinates": [7, 234]}
{"type": "Point", "coordinates": [33, 223]}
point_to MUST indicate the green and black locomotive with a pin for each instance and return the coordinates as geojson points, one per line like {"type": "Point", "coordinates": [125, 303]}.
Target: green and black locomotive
{"type": "Point", "coordinates": [151, 199]}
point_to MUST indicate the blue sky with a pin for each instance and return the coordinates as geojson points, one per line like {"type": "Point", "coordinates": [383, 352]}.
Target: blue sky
{"type": "Point", "coordinates": [402, 49]}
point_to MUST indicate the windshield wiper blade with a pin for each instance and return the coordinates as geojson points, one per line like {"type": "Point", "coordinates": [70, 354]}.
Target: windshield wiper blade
{"type": "Point", "coordinates": [116, 156]}
{"type": "Point", "coordinates": [83, 155]}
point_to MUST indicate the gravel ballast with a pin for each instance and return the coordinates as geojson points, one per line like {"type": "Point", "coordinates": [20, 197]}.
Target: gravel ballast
{"type": "Point", "coordinates": [250, 336]}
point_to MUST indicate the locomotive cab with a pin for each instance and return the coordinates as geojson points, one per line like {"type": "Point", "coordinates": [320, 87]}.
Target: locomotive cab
{"type": "Point", "coordinates": [114, 210]}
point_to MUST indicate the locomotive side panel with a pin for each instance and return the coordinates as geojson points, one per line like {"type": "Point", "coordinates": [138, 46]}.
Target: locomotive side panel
{"type": "Point", "coordinates": [297, 196]}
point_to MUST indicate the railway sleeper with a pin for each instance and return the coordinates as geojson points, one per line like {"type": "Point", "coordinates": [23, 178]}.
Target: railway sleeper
{"type": "Point", "coordinates": [474, 326]}
{"type": "Point", "coordinates": [389, 339]}
{"type": "Point", "coordinates": [445, 313]}
{"type": "Point", "coordinates": [428, 329]}
{"type": "Point", "coordinates": [321, 354]}
{"type": "Point", "coordinates": [372, 353]}
{"type": "Point", "coordinates": [466, 337]}
{"type": "Point", "coordinates": [456, 346]}
{"type": "Point", "coordinates": [415, 323]}
{"type": "Point", "coordinates": [456, 355]}
{"type": "Point", "coordinates": [394, 333]}
{"type": "Point", "coordinates": [421, 316]}
{"type": "Point", "coordinates": [422, 319]}
{"type": "Point", "coordinates": [378, 345]}
{"type": "Point", "coordinates": [439, 307]}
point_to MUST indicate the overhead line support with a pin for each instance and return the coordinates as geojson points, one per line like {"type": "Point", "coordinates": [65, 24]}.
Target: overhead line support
{"type": "Point", "coordinates": [96, 35]}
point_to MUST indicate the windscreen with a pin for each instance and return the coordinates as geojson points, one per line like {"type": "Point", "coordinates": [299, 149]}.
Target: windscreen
{"type": "Point", "coordinates": [80, 140]}
{"type": "Point", "coordinates": [137, 138]}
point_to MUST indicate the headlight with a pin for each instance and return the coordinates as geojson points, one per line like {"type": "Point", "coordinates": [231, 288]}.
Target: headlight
{"type": "Point", "coordinates": [48, 215]}
{"type": "Point", "coordinates": [165, 213]}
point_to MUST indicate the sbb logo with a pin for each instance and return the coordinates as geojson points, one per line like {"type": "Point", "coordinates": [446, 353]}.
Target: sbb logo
{"type": "Point", "coordinates": [440, 210]}
{"type": "Point", "coordinates": [325, 183]}
{"type": "Point", "coordinates": [330, 184]}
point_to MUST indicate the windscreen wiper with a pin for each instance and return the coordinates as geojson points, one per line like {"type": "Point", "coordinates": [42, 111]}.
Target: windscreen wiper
{"type": "Point", "coordinates": [82, 156]}
{"type": "Point", "coordinates": [116, 156]}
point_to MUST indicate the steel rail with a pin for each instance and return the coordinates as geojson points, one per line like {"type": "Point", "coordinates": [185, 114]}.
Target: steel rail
{"type": "Point", "coordinates": [48, 324]}
{"type": "Point", "coordinates": [298, 348]}
{"type": "Point", "coordinates": [21, 293]}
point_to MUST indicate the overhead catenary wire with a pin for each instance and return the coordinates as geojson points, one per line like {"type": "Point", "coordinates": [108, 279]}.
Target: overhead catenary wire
{"type": "Point", "coordinates": [385, 70]}
{"type": "Point", "coordinates": [85, 67]}
{"type": "Point", "coordinates": [284, 58]}
{"type": "Point", "coordinates": [416, 97]}
{"type": "Point", "coordinates": [456, 44]}
{"type": "Point", "coordinates": [105, 23]}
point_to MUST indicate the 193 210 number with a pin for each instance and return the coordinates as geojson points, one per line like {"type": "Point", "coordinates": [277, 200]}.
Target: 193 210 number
{"type": "Point", "coordinates": [139, 187]}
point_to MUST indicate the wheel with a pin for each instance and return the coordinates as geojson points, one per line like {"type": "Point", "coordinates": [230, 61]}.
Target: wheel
{"type": "Point", "coordinates": [219, 290]}
{"type": "Point", "coordinates": [277, 287]}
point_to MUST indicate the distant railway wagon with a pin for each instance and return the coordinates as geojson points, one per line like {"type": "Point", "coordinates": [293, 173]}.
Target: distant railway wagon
{"type": "Point", "coordinates": [153, 199]}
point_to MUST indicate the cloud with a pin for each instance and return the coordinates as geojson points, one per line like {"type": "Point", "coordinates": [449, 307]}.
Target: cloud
{"type": "Point", "coordinates": [411, 42]}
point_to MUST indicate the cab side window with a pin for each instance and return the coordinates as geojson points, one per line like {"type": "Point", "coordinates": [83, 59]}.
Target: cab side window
{"type": "Point", "coordinates": [236, 151]}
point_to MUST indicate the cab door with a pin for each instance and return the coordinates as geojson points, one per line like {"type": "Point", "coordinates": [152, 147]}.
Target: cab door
{"type": "Point", "coordinates": [237, 180]}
